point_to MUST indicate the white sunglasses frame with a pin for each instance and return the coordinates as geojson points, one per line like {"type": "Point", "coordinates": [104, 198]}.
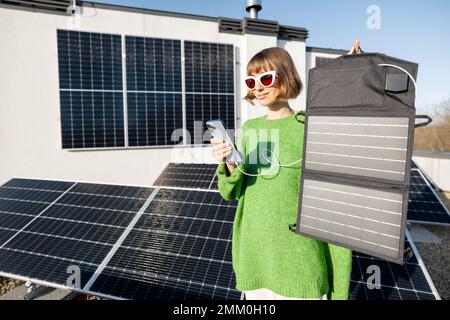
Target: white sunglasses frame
{"type": "Point", "coordinates": [258, 79]}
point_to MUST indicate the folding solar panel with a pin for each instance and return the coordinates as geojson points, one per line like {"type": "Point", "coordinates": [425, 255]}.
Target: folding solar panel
{"type": "Point", "coordinates": [359, 130]}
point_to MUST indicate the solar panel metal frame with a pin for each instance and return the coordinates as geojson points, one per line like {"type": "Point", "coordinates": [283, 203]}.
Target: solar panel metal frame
{"type": "Point", "coordinates": [370, 182]}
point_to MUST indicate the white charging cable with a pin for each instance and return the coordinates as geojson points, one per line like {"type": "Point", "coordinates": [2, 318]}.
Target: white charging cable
{"type": "Point", "coordinates": [400, 68]}
{"type": "Point", "coordinates": [277, 165]}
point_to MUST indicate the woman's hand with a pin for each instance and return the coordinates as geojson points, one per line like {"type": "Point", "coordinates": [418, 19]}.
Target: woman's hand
{"type": "Point", "coordinates": [221, 150]}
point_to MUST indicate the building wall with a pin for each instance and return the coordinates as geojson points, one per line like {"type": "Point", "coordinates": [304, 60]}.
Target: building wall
{"type": "Point", "coordinates": [437, 166]}
{"type": "Point", "coordinates": [30, 132]}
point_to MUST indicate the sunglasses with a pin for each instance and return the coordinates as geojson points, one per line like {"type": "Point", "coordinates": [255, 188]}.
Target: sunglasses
{"type": "Point", "coordinates": [266, 80]}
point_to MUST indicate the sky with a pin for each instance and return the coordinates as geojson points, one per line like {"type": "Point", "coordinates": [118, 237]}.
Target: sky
{"type": "Point", "coordinates": [414, 30]}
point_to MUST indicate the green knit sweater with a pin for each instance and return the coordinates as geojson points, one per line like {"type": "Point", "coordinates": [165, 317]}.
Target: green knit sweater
{"type": "Point", "coordinates": [265, 253]}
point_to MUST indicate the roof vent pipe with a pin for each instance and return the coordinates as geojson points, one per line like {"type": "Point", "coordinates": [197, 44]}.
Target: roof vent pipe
{"type": "Point", "coordinates": [253, 6]}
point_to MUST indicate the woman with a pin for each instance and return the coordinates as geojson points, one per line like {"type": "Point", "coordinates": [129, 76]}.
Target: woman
{"type": "Point", "coordinates": [269, 260]}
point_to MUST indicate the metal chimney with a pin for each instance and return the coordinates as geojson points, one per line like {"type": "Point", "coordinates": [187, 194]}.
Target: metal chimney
{"type": "Point", "coordinates": [253, 6]}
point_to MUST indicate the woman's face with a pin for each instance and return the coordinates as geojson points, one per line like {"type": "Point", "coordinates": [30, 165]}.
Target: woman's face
{"type": "Point", "coordinates": [266, 96]}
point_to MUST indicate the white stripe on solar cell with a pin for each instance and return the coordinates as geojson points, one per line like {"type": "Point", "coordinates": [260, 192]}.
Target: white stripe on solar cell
{"type": "Point", "coordinates": [360, 124]}
{"type": "Point", "coordinates": [352, 216]}
{"type": "Point", "coordinates": [354, 205]}
{"type": "Point", "coordinates": [357, 135]}
{"type": "Point", "coordinates": [358, 168]}
{"type": "Point", "coordinates": [181, 234]}
{"type": "Point", "coordinates": [349, 237]}
{"type": "Point", "coordinates": [49, 256]}
{"type": "Point", "coordinates": [358, 157]}
{"type": "Point", "coordinates": [355, 145]}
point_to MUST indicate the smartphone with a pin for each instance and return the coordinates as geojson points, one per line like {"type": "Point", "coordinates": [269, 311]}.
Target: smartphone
{"type": "Point", "coordinates": [217, 130]}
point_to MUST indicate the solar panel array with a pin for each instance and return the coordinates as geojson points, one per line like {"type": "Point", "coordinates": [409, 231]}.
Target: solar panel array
{"type": "Point", "coordinates": [179, 246]}
{"type": "Point", "coordinates": [424, 205]}
{"type": "Point", "coordinates": [128, 242]}
{"type": "Point", "coordinates": [99, 111]}
{"type": "Point", "coordinates": [409, 281]}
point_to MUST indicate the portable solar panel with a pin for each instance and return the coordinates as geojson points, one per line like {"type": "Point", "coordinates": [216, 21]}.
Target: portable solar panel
{"type": "Point", "coordinates": [359, 128]}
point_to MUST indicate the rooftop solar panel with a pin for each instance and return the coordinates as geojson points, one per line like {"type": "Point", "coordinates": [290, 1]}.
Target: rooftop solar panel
{"type": "Point", "coordinates": [424, 206]}
{"type": "Point", "coordinates": [188, 175]}
{"type": "Point", "coordinates": [91, 89]}
{"type": "Point", "coordinates": [179, 246]}
{"type": "Point", "coordinates": [410, 281]}
{"type": "Point", "coordinates": [42, 245]}
{"type": "Point", "coordinates": [179, 249]}
{"type": "Point", "coordinates": [175, 243]}
{"type": "Point", "coordinates": [154, 92]}
{"type": "Point", "coordinates": [209, 74]}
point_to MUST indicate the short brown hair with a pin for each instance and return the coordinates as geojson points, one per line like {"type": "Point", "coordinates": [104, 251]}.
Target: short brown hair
{"type": "Point", "coordinates": [279, 60]}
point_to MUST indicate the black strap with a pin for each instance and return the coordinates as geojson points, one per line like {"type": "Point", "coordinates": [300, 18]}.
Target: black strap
{"type": "Point", "coordinates": [422, 124]}
{"type": "Point", "coordinates": [300, 113]}
{"type": "Point", "coordinates": [292, 227]}
{"type": "Point", "coordinates": [408, 253]}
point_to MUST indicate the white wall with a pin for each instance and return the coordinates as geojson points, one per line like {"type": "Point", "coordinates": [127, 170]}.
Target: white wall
{"type": "Point", "coordinates": [297, 50]}
{"type": "Point", "coordinates": [30, 132]}
{"type": "Point", "coordinates": [437, 168]}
